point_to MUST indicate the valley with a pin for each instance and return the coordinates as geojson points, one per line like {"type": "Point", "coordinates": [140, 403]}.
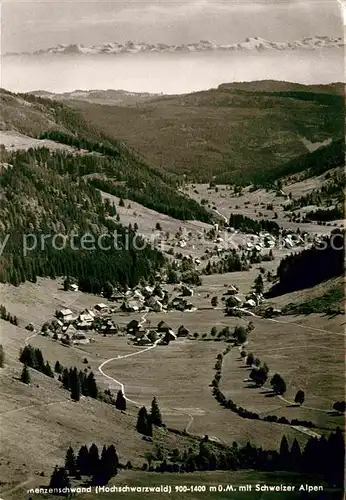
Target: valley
{"type": "Point", "coordinates": [226, 278]}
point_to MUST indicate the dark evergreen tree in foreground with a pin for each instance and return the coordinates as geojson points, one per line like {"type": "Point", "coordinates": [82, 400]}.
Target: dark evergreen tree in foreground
{"type": "Point", "coordinates": [47, 370]}
{"type": "Point", "coordinates": [65, 379]}
{"type": "Point", "coordinates": [60, 480]}
{"type": "Point", "coordinates": [144, 424]}
{"type": "Point", "coordinates": [107, 466]}
{"type": "Point", "coordinates": [120, 402]}
{"type": "Point", "coordinates": [91, 386]}
{"type": "Point", "coordinates": [75, 387]}
{"type": "Point", "coordinates": [295, 456]}
{"type": "Point", "coordinates": [70, 462]}
{"type": "Point", "coordinates": [155, 414]}
{"type": "Point", "coordinates": [284, 454]}
{"type": "Point", "coordinates": [82, 461]}
{"type": "Point", "coordinates": [25, 376]}
{"type": "Point", "coordinates": [94, 460]}
{"type": "Point", "coordinates": [58, 368]}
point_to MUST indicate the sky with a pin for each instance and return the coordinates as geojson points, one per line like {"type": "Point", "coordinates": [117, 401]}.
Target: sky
{"type": "Point", "coordinates": [31, 25]}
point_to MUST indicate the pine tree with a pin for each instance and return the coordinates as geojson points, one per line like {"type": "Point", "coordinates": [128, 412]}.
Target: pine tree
{"type": "Point", "coordinates": [94, 459]}
{"type": "Point", "coordinates": [70, 462]}
{"type": "Point", "coordinates": [82, 460]}
{"type": "Point", "coordinates": [59, 479]}
{"type": "Point", "coordinates": [66, 284]}
{"type": "Point", "coordinates": [334, 459]}
{"type": "Point", "coordinates": [284, 453]}
{"type": "Point", "coordinates": [2, 356]}
{"type": "Point", "coordinates": [74, 384]}
{"type": "Point", "coordinates": [83, 383]}
{"type": "Point", "coordinates": [25, 376]}
{"type": "Point", "coordinates": [120, 402]}
{"type": "Point", "coordinates": [66, 379]}
{"type": "Point", "coordinates": [295, 456]}
{"type": "Point", "coordinates": [47, 370]}
{"type": "Point", "coordinates": [144, 424]}
{"type": "Point", "coordinates": [38, 360]}
{"type": "Point", "coordinates": [91, 386]}
{"type": "Point", "coordinates": [58, 367]}
{"type": "Point", "coordinates": [155, 414]}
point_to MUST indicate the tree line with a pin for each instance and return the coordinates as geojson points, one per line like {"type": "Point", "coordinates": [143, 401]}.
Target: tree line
{"type": "Point", "coordinates": [6, 316]}
{"type": "Point", "coordinates": [32, 357]}
{"type": "Point", "coordinates": [248, 225]}
{"type": "Point", "coordinates": [88, 462]}
{"type": "Point", "coordinates": [127, 177]}
{"type": "Point", "coordinates": [259, 375]}
{"type": "Point", "coordinates": [323, 458]}
{"type": "Point", "coordinates": [77, 382]}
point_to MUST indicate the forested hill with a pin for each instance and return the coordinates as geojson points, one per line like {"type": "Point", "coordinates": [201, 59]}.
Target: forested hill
{"type": "Point", "coordinates": [118, 169]}
{"type": "Point", "coordinates": [44, 214]}
{"type": "Point", "coordinates": [241, 132]}
{"type": "Point", "coordinates": [312, 266]}
{"type": "Point", "coordinates": [47, 193]}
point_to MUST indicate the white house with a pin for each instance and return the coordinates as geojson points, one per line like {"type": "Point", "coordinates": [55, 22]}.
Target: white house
{"type": "Point", "coordinates": [65, 315]}
{"type": "Point", "coordinates": [101, 307]}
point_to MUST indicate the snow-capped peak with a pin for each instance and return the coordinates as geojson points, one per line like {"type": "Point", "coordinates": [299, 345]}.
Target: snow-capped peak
{"type": "Point", "coordinates": [130, 47]}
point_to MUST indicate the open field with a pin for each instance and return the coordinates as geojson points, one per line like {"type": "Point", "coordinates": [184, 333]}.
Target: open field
{"type": "Point", "coordinates": [14, 141]}
{"type": "Point", "coordinates": [307, 360]}
{"type": "Point", "coordinates": [39, 422]}
{"type": "Point", "coordinates": [260, 204]}
{"type": "Point", "coordinates": [306, 350]}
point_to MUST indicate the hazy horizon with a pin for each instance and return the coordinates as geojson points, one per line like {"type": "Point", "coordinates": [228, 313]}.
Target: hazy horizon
{"type": "Point", "coordinates": [157, 73]}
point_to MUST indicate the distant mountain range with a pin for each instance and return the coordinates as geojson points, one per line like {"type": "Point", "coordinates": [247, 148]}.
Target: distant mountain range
{"type": "Point", "coordinates": [129, 47]}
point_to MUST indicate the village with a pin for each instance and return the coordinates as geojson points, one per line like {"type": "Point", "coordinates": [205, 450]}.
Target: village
{"type": "Point", "coordinates": [73, 328]}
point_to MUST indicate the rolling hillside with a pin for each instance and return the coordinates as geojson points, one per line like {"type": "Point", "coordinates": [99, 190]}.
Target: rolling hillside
{"type": "Point", "coordinates": [236, 132]}
{"type": "Point", "coordinates": [118, 169]}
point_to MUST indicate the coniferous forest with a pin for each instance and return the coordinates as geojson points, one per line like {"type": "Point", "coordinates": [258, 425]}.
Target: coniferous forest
{"type": "Point", "coordinates": [48, 193]}
{"type": "Point", "coordinates": [41, 199]}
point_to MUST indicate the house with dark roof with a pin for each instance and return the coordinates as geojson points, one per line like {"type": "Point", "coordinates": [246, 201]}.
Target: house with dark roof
{"type": "Point", "coordinates": [183, 331]}
{"type": "Point", "coordinates": [162, 327]}
{"type": "Point", "coordinates": [132, 326]}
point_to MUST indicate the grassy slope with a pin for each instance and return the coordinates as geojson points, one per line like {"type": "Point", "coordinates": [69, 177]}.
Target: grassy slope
{"type": "Point", "coordinates": [35, 438]}
{"type": "Point", "coordinates": [236, 128]}
{"type": "Point", "coordinates": [327, 297]}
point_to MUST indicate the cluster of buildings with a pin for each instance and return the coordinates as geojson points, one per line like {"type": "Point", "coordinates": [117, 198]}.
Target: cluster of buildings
{"type": "Point", "coordinates": [154, 298]}
{"type": "Point", "coordinates": [72, 329]}
{"type": "Point", "coordinates": [162, 333]}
